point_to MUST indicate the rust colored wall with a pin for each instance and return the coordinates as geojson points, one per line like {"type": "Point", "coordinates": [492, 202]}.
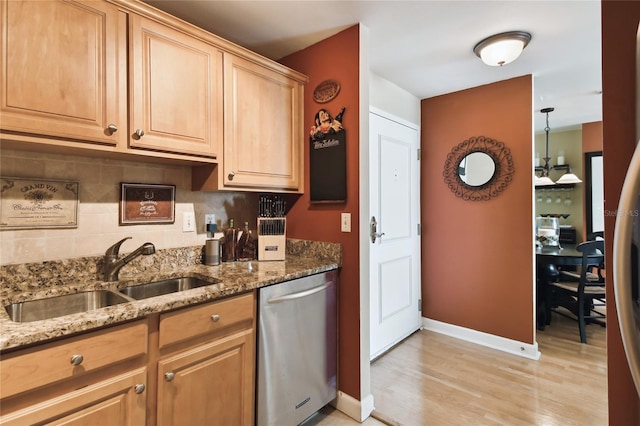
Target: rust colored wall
{"type": "Point", "coordinates": [591, 137]}
{"type": "Point", "coordinates": [591, 141]}
{"type": "Point", "coordinates": [477, 268]}
{"type": "Point", "coordinates": [337, 58]}
{"type": "Point", "coordinates": [619, 26]}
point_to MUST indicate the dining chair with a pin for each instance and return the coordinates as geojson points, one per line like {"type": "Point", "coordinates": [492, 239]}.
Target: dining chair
{"type": "Point", "coordinates": [583, 292]}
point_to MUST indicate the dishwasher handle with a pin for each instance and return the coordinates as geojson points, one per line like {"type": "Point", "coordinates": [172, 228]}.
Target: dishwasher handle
{"type": "Point", "coordinates": [301, 294]}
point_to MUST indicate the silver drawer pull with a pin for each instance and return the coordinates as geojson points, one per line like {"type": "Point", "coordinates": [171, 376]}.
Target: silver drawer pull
{"type": "Point", "coordinates": [139, 133]}
{"type": "Point", "coordinates": [112, 128]}
{"type": "Point", "coordinates": [169, 376]}
{"type": "Point", "coordinates": [139, 388]}
{"type": "Point", "coordinates": [77, 359]}
{"type": "Point", "coordinates": [215, 317]}
{"type": "Point", "coordinates": [231, 175]}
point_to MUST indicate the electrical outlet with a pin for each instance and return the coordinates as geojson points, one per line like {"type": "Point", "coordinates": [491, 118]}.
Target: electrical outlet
{"type": "Point", "coordinates": [209, 219]}
{"type": "Point", "coordinates": [188, 222]}
{"type": "Point", "coordinates": [345, 222]}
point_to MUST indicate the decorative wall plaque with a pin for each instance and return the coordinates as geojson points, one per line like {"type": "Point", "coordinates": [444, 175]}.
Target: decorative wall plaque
{"type": "Point", "coordinates": [147, 204]}
{"type": "Point", "coordinates": [34, 203]}
{"type": "Point", "coordinates": [326, 91]}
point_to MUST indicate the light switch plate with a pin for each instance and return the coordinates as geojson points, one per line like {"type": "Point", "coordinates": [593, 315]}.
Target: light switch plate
{"type": "Point", "coordinates": [345, 222]}
{"type": "Point", "coordinates": [188, 222]}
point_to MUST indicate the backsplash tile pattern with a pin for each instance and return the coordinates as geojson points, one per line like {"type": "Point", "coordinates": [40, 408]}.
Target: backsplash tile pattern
{"type": "Point", "coordinates": [99, 186]}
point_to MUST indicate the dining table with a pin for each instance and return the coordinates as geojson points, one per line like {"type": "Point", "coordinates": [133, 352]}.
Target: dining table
{"type": "Point", "coordinates": [549, 261]}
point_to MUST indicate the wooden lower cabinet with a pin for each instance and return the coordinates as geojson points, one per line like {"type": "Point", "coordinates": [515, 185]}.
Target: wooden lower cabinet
{"type": "Point", "coordinates": [191, 366]}
{"type": "Point", "coordinates": [206, 364]}
{"type": "Point", "coordinates": [97, 378]}
{"type": "Point", "coordinates": [211, 384]}
{"type": "Point", "coordinates": [120, 400]}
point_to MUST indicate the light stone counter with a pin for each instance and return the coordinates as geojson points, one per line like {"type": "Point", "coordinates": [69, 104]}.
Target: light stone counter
{"type": "Point", "coordinates": [25, 282]}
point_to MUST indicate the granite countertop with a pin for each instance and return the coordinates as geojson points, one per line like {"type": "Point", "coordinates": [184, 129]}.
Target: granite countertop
{"type": "Point", "coordinates": [21, 283]}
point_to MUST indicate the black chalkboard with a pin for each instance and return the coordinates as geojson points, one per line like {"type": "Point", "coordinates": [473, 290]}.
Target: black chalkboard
{"type": "Point", "coordinates": [328, 164]}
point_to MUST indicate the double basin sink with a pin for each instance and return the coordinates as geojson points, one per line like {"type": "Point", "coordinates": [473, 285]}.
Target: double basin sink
{"type": "Point", "coordinates": [52, 307]}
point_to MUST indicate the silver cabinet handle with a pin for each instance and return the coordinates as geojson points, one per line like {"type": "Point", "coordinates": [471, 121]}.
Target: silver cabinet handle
{"type": "Point", "coordinates": [231, 175]}
{"type": "Point", "coordinates": [169, 376]}
{"type": "Point", "coordinates": [139, 388]}
{"type": "Point", "coordinates": [77, 359]}
{"type": "Point", "coordinates": [215, 317]}
{"type": "Point", "coordinates": [139, 133]}
{"type": "Point", "coordinates": [112, 128]}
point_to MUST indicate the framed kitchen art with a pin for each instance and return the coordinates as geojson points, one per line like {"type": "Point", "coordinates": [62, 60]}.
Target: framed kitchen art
{"type": "Point", "coordinates": [147, 204]}
{"type": "Point", "coordinates": [27, 203]}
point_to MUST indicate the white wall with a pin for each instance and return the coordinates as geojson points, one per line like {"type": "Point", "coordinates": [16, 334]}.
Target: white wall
{"type": "Point", "coordinates": [390, 98]}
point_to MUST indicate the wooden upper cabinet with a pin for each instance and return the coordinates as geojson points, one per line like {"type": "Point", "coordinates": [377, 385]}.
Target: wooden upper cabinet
{"type": "Point", "coordinates": [263, 118]}
{"type": "Point", "coordinates": [63, 70]}
{"type": "Point", "coordinates": [176, 90]}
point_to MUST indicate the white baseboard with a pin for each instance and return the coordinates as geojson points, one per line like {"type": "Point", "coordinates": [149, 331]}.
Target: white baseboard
{"type": "Point", "coordinates": [515, 347]}
{"type": "Point", "coordinates": [357, 410]}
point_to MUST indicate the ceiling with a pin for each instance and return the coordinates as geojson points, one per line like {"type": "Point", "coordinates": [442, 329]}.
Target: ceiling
{"type": "Point", "coordinates": [425, 47]}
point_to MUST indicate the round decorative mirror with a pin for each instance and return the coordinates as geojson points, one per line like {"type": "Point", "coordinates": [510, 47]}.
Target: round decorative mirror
{"type": "Point", "coordinates": [478, 168]}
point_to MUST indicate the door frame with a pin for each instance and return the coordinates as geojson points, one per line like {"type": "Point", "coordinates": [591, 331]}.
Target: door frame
{"type": "Point", "coordinates": [366, 404]}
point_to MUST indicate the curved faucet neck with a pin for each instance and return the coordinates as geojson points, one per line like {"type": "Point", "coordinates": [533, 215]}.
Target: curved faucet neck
{"type": "Point", "coordinates": [112, 265]}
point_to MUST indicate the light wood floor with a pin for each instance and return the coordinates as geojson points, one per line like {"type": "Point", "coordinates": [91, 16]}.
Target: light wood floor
{"type": "Point", "coordinates": [431, 379]}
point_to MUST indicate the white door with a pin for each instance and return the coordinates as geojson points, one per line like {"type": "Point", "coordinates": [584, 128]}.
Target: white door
{"type": "Point", "coordinates": [395, 255]}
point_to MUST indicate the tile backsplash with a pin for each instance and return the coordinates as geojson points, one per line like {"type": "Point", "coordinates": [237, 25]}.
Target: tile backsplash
{"type": "Point", "coordinates": [99, 197]}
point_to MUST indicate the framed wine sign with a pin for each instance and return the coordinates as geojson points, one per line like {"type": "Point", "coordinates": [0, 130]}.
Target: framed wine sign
{"type": "Point", "coordinates": [38, 203]}
{"type": "Point", "coordinates": [147, 204]}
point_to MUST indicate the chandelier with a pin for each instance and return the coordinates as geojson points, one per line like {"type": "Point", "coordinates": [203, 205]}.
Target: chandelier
{"type": "Point", "coordinates": [544, 180]}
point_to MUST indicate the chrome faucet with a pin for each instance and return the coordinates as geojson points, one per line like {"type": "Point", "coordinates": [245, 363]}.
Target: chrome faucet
{"type": "Point", "coordinates": [112, 265]}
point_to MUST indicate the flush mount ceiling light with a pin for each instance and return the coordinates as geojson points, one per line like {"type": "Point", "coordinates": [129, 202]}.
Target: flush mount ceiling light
{"type": "Point", "coordinates": [500, 49]}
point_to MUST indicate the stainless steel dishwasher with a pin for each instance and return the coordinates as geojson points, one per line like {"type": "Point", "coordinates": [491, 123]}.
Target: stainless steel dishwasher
{"type": "Point", "coordinates": [297, 349]}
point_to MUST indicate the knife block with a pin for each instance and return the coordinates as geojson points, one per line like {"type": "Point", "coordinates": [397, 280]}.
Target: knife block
{"type": "Point", "coordinates": [272, 238]}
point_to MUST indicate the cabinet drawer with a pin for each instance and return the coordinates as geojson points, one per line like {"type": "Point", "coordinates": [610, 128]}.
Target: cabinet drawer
{"type": "Point", "coordinates": [115, 401]}
{"type": "Point", "coordinates": [213, 317]}
{"type": "Point", "coordinates": [43, 365]}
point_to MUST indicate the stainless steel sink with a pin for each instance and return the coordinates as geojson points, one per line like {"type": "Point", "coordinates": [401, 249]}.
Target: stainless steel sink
{"type": "Point", "coordinates": [158, 288]}
{"type": "Point", "coordinates": [52, 307]}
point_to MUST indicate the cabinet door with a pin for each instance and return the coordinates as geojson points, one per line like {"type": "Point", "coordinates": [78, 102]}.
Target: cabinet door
{"type": "Point", "coordinates": [176, 90]}
{"type": "Point", "coordinates": [63, 70]}
{"type": "Point", "coordinates": [120, 400]}
{"type": "Point", "coordinates": [212, 384]}
{"type": "Point", "coordinates": [263, 139]}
